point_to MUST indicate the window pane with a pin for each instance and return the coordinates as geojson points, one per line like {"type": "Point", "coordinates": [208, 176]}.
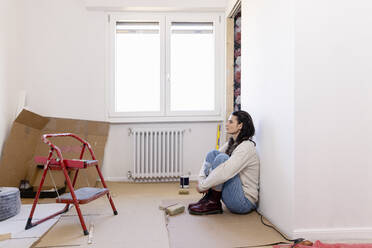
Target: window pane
{"type": "Point", "coordinates": [137, 84]}
{"type": "Point", "coordinates": [192, 66]}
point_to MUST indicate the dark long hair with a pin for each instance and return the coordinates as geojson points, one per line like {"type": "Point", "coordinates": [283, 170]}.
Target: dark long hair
{"type": "Point", "coordinates": [246, 133]}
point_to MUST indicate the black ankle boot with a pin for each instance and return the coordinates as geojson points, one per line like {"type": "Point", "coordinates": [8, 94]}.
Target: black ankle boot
{"type": "Point", "coordinates": [211, 205]}
{"type": "Point", "coordinates": [204, 198]}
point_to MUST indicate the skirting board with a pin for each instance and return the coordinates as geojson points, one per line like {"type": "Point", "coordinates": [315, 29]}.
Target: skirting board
{"type": "Point", "coordinates": [356, 233]}
{"type": "Point", "coordinates": [116, 179]}
{"type": "Point", "coordinates": [125, 179]}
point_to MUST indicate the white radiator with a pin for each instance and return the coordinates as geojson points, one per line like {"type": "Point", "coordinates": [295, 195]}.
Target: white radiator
{"type": "Point", "coordinates": [157, 154]}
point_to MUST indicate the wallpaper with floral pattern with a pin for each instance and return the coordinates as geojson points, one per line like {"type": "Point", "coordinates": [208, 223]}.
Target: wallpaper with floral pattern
{"type": "Point", "coordinates": [237, 40]}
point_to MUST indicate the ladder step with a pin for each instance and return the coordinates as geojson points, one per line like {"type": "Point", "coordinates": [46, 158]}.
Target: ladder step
{"type": "Point", "coordinates": [83, 195]}
{"type": "Point", "coordinates": [70, 163]}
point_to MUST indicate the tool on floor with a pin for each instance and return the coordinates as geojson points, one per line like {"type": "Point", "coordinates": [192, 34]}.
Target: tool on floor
{"type": "Point", "coordinates": [184, 185]}
{"type": "Point", "coordinates": [183, 191]}
{"type": "Point", "coordinates": [90, 236]}
{"type": "Point", "coordinates": [218, 139]}
{"type": "Point", "coordinates": [304, 243]}
{"type": "Point", "coordinates": [184, 182]}
{"type": "Point", "coordinates": [5, 236]}
{"type": "Point", "coordinates": [76, 197]}
{"type": "Point", "coordinates": [162, 207]}
{"type": "Point", "coordinates": [173, 209]}
{"type": "Point", "coordinates": [298, 241]}
{"type": "Point", "coordinates": [27, 191]}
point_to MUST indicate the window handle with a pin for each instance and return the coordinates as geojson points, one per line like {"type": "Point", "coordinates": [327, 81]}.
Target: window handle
{"type": "Point", "coordinates": [168, 77]}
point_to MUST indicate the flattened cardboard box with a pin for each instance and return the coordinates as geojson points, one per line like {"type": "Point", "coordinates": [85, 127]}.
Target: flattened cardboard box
{"type": "Point", "coordinates": [24, 143]}
{"type": "Point", "coordinates": [218, 230]}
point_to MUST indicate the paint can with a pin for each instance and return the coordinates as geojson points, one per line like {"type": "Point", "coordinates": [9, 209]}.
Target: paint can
{"type": "Point", "coordinates": [184, 182]}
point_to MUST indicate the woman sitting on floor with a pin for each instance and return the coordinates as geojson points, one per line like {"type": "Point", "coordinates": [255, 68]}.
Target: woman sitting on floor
{"type": "Point", "coordinates": [232, 172]}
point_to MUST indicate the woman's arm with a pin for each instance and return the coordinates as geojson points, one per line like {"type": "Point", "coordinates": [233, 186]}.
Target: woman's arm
{"type": "Point", "coordinates": [202, 175]}
{"type": "Point", "coordinates": [237, 162]}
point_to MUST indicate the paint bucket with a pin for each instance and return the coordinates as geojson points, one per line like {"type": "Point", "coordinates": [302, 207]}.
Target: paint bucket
{"type": "Point", "coordinates": [184, 182]}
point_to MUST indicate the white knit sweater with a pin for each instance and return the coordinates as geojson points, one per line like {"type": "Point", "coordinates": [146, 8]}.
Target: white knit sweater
{"type": "Point", "coordinates": [243, 160]}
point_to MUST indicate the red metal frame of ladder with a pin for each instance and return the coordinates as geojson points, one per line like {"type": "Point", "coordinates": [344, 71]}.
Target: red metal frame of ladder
{"type": "Point", "coordinates": [66, 165]}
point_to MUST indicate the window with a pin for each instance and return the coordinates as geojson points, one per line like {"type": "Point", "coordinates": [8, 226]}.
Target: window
{"type": "Point", "coordinates": [137, 67]}
{"type": "Point", "coordinates": [192, 50]}
{"type": "Point", "coordinates": [165, 67]}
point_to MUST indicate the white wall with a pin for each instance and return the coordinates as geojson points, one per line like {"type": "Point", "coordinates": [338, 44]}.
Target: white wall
{"type": "Point", "coordinates": [64, 59]}
{"type": "Point", "coordinates": [268, 94]}
{"type": "Point", "coordinates": [10, 49]}
{"type": "Point", "coordinates": [333, 174]}
{"type": "Point", "coordinates": [307, 82]}
{"type": "Point", "coordinates": [64, 70]}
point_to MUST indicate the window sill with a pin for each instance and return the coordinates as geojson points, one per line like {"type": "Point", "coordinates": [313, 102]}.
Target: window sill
{"type": "Point", "coordinates": [164, 119]}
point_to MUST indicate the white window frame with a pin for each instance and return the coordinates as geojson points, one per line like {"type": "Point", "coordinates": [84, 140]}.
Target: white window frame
{"type": "Point", "coordinates": [165, 114]}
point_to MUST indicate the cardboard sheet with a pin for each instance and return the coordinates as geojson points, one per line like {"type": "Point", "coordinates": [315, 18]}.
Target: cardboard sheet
{"type": "Point", "coordinates": [139, 224]}
{"type": "Point", "coordinates": [225, 230]}
{"type": "Point", "coordinates": [16, 225]}
{"type": "Point", "coordinates": [24, 143]}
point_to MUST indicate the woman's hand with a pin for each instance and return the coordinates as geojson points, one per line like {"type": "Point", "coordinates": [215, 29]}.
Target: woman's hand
{"type": "Point", "coordinates": [200, 191]}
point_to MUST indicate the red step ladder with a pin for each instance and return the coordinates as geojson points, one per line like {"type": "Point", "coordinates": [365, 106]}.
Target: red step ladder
{"type": "Point", "coordinates": [76, 197]}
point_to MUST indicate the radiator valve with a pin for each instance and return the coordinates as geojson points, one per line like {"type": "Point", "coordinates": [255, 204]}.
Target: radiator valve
{"type": "Point", "coordinates": [129, 175]}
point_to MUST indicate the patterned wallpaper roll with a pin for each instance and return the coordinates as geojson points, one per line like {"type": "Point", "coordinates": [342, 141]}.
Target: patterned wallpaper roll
{"type": "Point", "coordinates": [237, 68]}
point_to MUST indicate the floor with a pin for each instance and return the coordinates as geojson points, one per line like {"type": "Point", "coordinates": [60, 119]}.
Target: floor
{"type": "Point", "coordinates": [136, 203]}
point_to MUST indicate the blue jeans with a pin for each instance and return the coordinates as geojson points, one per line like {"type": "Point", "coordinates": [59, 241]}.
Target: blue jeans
{"type": "Point", "coordinates": [232, 191]}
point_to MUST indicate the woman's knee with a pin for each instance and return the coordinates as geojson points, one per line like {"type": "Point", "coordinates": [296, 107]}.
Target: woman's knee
{"type": "Point", "coordinates": [211, 155]}
{"type": "Point", "coordinates": [237, 207]}
{"type": "Point", "coordinates": [221, 158]}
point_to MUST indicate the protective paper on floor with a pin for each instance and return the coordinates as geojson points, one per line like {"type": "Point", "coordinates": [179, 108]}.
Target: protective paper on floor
{"type": "Point", "coordinates": [225, 230]}
{"type": "Point", "coordinates": [139, 224]}
{"type": "Point", "coordinates": [16, 225]}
